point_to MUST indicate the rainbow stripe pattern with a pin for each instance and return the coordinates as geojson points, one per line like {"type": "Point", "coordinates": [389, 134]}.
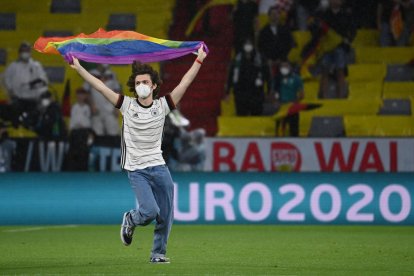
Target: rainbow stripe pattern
{"type": "Point", "coordinates": [116, 47]}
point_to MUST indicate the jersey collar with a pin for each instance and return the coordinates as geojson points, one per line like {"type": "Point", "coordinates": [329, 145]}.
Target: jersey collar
{"type": "Point", "coordinates": [144, 106]}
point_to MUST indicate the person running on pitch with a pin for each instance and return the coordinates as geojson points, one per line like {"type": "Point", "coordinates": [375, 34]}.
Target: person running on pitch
{"type": "Point", "coordinates": [141, 155]}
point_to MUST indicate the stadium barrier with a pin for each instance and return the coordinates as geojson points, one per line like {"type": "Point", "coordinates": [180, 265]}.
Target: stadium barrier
{"type": "Point", "coordinates": [241, 154]}
{"type": "Point", "coordinates": [310, 154]}
{"type": "Point", "coordinates": [213, 198]}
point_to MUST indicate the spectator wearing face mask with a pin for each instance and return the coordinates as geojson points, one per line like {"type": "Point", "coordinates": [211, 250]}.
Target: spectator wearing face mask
{"type": "Point", "coordinates": [248, 76]}
{"type": "Point", "coordinates": [25, 80]}
{"type": "Point", "coordinates": [50, 124]}
{"type": "Point", "coordinates": [289, 89]}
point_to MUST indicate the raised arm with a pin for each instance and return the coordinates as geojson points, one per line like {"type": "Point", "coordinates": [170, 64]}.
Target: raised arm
{"type": "Point", "coordinates": [95, 82]}
{"type": "Point", "coordinates": [188, 78]}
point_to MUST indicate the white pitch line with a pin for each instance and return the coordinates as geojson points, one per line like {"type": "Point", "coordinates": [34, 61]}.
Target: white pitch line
{"type": "Point", "coordinates": [28, 229]}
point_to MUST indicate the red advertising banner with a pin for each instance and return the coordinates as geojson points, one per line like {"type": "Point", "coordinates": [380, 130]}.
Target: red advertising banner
{"type": "Point", "coordinates": [310, 155]}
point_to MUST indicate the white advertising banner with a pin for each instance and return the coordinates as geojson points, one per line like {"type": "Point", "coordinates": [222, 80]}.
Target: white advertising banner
{"type": "Point", "coordinates": [310, 154]}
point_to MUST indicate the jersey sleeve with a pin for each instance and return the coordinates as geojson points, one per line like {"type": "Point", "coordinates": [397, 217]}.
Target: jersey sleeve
{"type": "Point", "coordinates": [123, 103]}
{"type": "Point", "coordinates": [167, 103]}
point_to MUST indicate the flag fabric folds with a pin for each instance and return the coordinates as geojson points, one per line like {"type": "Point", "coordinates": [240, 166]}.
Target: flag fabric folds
{"type": "Point", "coordinates": [289, 109]}
{"type": "Point", "coordinates": [116, 47]}
{"type": "Point", "coordinates": [324, 39]}
{"type": "Point", "coordinates": [292, 108]}
{"type": "Point", "coordinates": [396, 22]}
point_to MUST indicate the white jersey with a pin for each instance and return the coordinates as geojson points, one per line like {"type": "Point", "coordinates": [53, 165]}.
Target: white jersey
{"type": "Point", "coordinates": [142, 130]}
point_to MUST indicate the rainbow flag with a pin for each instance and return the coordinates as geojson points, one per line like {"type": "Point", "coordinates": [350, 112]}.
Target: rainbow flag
{"type": "Point", "coordinates": [116, 47]}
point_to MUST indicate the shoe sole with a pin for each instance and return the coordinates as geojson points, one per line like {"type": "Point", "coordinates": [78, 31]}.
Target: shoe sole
{"type": "Point", "coordinates": [121, 232]}
{"type": "Point", "coordinates": [159, 262]}
{"type": "Point", "coordinates": [164, 262]}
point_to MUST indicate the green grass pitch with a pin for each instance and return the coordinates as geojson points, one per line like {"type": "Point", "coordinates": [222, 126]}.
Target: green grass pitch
{"type": "Point", "coordinates": [210, 250]}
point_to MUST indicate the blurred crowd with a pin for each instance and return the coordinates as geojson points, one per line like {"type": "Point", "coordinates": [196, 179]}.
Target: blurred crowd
{"type": "Point", "coordinates": [261, 75]}
{"type": "Point", "coordinates": [93, 120]}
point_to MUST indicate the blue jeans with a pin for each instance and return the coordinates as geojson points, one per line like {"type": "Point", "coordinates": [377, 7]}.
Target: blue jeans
{"type": "Point", "coordinates": [154, 191]}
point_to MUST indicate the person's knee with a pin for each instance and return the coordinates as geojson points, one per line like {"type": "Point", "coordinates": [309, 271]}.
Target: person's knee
{"type": "Point", "coordinates": [149, 214]}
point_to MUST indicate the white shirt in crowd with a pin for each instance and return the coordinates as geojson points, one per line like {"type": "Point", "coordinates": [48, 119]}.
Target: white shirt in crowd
{"type": "Point", "coordinates": [80, 116]}
{"type": "Point", "coordinates": [18, 76]}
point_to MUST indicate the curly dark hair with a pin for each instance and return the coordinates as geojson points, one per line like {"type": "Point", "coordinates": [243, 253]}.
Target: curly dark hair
{"type": "Point", "coordinates": [139, 68]}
